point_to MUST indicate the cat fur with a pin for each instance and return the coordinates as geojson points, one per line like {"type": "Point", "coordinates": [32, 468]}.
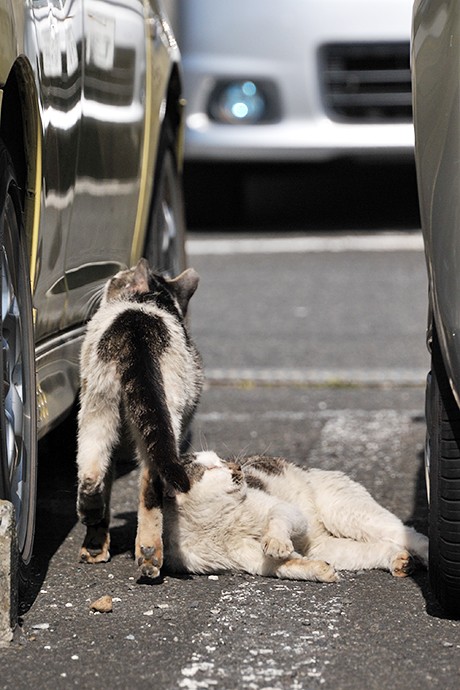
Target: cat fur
{"type": "Point", "coordinates": [267, 516]}
{"type": "Point", "coordinates": [139, 362]}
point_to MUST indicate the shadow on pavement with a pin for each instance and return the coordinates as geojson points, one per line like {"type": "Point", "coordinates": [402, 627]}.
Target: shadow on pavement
{"type": "Point", "coordinates": [56, 512]}
{"type": "Point", "coordinates": [56, 499]}
{"type": "Point", "coordinates": [340, 195]}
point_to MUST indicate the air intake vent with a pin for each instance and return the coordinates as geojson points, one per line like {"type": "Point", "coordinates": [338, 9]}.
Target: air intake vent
{"type": "Point", "coordinates": [367, 82]}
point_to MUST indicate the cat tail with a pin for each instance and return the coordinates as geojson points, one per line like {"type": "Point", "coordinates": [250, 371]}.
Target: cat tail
{"type": "Point", "coordinates": [135, 342]}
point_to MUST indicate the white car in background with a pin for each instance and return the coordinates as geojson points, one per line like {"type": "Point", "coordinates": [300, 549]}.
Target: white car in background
{"type": "Point", "coordinates": [296, 80]}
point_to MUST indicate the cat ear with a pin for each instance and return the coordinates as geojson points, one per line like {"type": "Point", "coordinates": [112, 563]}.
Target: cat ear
{"type": "Point", "coordinates": [140, 280]}
{"type": "Point", "coordinates": [184, 286]}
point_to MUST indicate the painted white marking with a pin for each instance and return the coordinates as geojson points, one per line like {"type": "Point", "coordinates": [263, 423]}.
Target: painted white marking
{"type": "Point", "coordinates": [299, 416]}
{"type": "Point", "coordinates": [378, 242]}
{"type": "Point", "coordinates": [321, 377]}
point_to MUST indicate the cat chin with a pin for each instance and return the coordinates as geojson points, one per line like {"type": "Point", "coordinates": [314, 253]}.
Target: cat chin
{"type": "Point", "coordinates": [209, 459]}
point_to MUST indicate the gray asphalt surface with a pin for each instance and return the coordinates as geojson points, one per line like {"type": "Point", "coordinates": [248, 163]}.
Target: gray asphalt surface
{"type": "Point", "coordinates": [236, 631]}
{"type": "Point", "coordinates": [293, 309]}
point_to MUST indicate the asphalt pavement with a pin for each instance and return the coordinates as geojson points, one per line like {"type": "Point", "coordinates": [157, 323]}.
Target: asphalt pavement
{"type": "Point", "coordinates": [350, 325]}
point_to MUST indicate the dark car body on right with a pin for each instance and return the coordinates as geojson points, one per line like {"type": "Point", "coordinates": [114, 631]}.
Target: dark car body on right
{"type": "Point", "coordinates": [435, 58]}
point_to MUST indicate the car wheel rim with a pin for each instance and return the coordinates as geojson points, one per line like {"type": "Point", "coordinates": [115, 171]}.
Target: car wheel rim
{"type": "Point", "coordinates": [168, 235]}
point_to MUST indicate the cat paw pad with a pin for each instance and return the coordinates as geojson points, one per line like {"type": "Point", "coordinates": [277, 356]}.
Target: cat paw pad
{"type": "Point", "coordinates": [149, 562]}
{"type": "Point", "coordinates": [402, 564]}
{"type": "Point", "coordinates": [325, 572]}
{"type": "Point", "coordinates": [277, 548]}
{"type": "Point", "coordinates": [92, 556]}
{"type": "Point", "coordinates": [95, 548]}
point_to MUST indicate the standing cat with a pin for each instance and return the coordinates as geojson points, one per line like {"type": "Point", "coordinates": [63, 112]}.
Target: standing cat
{"type": "Point", "coordinates": [266, 516]}
{"type": "Point", "coordinates": [137, 358]}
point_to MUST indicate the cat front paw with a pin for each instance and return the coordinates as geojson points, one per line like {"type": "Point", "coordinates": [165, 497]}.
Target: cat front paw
{"type": "Point", "coordinates": [277, 548]}
{"type": "Point", "coordinates": [402, 564]}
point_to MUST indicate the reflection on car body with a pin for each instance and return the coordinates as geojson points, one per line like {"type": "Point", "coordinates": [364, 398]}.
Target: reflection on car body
{"type": "Point", "coordinates": [90, 164]}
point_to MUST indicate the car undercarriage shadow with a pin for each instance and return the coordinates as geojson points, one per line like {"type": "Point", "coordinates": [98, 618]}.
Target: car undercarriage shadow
{"type": "Point", "coordinates": [335, 195]}
{"type": "Point", "coordinates": [56, 498]}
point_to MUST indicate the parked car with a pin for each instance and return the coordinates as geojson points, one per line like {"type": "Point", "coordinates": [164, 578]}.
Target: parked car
{"type": "Point", "coordinates": [296, 81]}
{"type": "Point", "coordinates": [436, 80]}
{"type": "Point", "coordinates": [90, 165]}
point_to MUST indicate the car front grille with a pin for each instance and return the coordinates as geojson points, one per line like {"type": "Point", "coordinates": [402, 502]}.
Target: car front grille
{"type": "Point", "coordinates": [366, 82]}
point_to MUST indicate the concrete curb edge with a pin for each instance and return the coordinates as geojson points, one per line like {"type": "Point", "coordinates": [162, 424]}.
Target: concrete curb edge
{"type": "Point", "coordinates": [8, 573]}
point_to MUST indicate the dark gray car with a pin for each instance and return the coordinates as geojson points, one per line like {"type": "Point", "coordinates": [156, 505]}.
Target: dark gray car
{"type": "Point", "coordinates": [436, 79]}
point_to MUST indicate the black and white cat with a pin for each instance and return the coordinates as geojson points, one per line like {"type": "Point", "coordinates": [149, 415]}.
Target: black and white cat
{"type": "Point", "coordinates": [266, 516]}
{"type": "Point", "coordinates": [137, 360]}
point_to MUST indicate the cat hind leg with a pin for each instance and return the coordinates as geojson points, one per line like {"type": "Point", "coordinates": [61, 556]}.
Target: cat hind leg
{"type": "Point", "coordinates": [99, 420]}
{"type": "Point", "coordinates": [348, 554]}
{"type": "Point", "coordinates": [96, 545]}
{"type": "Point", "coordinates": [149, 541]}
{"type": "Point", "coordinates": [94, 512]}
{"type": "Point", "coordinates": [348, 510]}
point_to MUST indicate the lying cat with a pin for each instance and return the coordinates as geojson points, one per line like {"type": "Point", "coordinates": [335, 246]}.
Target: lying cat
{"type": "Point", "coordinates": [137, 355]}
{"type": "Point", "coordinates": [266, 516]}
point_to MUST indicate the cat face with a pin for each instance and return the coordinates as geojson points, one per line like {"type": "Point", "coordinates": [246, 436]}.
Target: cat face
{"type": "Point", "coordinates": [212, 479]}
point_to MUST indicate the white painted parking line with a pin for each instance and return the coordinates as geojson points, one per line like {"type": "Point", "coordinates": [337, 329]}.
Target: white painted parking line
{"type": "Point", "coordinates": [300, 416]}
{"type": "Point", "coordinates": [321, 377]}
{"type": "Point", "coordinates": [377, 242]}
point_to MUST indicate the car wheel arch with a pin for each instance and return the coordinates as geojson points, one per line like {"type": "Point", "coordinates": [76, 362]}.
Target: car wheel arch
{"type": "Point", "coordinates": [20, 104]}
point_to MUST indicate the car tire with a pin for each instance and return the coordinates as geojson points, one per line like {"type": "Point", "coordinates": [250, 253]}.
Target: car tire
{"type": "Point", "coordinates": [18, 421]}
{"type": "Point", "coordinates": [165, 245]}
{"type": "Point", "coordinates": [444, 487]}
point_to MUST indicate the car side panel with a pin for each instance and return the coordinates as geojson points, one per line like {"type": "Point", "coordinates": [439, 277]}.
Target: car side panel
{"type": "Point", "coordinates": [126, 67]}
{"type": "Point", "coordinates": [54, 45]}
{"type": "Point", "coordinates": [435, 77]}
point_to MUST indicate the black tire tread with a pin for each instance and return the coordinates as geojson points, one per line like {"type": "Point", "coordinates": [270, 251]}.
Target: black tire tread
{"type": "Point", "coordinates": [444, 531]}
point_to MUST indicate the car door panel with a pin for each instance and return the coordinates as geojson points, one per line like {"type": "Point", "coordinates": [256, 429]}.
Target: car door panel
{"type": "Point", "coordinates": [53, 43]}
{"type": "Point", "coordinates": [110, 156]}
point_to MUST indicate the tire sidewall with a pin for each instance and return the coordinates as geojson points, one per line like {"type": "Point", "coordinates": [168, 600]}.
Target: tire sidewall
{"type": "Point", "coordinates": [15, 249]}
{"type": "Point", "coordinates": [444, 442]}
{"type": "Point", "coordinates": [167, 186]}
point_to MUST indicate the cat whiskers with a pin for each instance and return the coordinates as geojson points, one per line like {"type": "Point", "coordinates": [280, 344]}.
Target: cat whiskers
{"type": "Point", "coordinates": [241, 455]}
{"type": "Point", "coordinates": [202, 447]}
{"type": "Point", "coordinates": [266, 450]}
{"type": "Point", "coordinates": [93, 302]}
{"type": "Point", "coordinates": [203, 441]}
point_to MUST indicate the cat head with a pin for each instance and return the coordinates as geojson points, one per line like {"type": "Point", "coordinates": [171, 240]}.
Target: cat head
{"type": "Point", "coordinates": [211, 479]}
{"type": "Point", "coordinates": [139, 281]}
